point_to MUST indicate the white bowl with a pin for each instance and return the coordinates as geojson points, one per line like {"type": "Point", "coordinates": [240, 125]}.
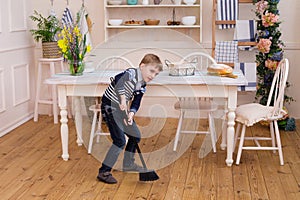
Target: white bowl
{"type": "Point", "coordinates": [115, 22]}
{"type": "Point", "coordinates": [188, 20]}
{"type": "Point", "coordinates": [189, 2]}
{"type": "Point", "coordinates": [115, 2]}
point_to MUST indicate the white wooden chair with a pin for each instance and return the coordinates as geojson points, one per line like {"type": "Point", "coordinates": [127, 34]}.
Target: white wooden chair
{"type": "Point", "coordinates": [110, 63]}
{"type": "Point", "coordinates": [206, 105]}
{"type": "Point", "coordinates": [250, 114]}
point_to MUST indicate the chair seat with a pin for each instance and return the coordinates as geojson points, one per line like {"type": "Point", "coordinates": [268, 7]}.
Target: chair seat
{"type": "Point", "coordinates": [195, 104]}
{"type": "Point", "coordinates": [252, 113]}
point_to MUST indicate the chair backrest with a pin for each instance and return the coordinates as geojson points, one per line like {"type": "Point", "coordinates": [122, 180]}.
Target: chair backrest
{"type": "Point", "coordinates": [114, 63]}
{"type": "Point", "coordinates": [276, 95]}
{"type": "Point", "coordinates": [200, 59]}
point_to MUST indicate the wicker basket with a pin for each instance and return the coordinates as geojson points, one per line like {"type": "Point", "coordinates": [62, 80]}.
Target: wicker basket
{"type": "Point", "coordinates": [51, 50]}
{"type": "Point", "coordinates": [181, 69]}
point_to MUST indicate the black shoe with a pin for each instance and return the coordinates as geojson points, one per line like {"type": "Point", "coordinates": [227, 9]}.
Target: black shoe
{"type": "Point", "coordinates": [133, 168]}
{"type": "Point", "coordinates": [106, 177]}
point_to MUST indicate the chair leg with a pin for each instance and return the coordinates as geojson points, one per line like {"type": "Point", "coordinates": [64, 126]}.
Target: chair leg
{"type": "Point", "coordinates": [278, 142]}
{"type": "Point", "coordinates": [224, 134]}
{"type": "Point", "coordinates": [38, 94]}
{"type": "Point", "coordinates": [272, 135]}
{"type": "Point", "coordinates": [237, 133]}
{"type": "Point", "coordinates": [92, 134]}
{"type": "Point", "coordinates": [99, 129]}
{"type": "Point", "coordinates": [212, 131]}
{"type": "Point", "coordinates": [241, 145]}
{"type": "Point", "coordinates": [178, 130]}
{"type": "Point", "coordinates": [69, 107]}
{"type": "Point", "coordinates": [54, 95]}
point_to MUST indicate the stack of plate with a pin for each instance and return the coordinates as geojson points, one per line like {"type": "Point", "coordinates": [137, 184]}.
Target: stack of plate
{"type": "Point", "coordinates": [115, 2]}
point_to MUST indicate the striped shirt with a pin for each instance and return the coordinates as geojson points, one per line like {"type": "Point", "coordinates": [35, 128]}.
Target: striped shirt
{"type": "Point", "coordinates": [128, 83]}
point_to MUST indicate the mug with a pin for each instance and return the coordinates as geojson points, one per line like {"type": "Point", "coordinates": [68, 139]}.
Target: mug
{"type": "Point", "coordinates": [132, 2]}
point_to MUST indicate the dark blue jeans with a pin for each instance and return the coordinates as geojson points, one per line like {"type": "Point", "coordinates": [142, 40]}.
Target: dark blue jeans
{"type": "Point", "coordinates": [114, 119]}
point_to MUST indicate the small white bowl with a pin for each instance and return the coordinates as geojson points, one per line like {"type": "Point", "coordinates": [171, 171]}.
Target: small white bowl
{"type": "Point", "coordinates": [115, 2]}
{"type": "Point", "coordinates": [189, 2]}
{"type": "Point", "coordinates": [188, 20]}
{"type": "Point", "coordinates": [115, 22]}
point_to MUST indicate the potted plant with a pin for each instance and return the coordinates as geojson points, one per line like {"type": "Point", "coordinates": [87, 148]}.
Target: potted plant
{"type": "Point", "coordinates": [46, 32]}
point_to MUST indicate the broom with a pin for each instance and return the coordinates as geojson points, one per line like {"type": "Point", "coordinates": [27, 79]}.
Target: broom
{"type": "Point", "coordinates": [146, 175]}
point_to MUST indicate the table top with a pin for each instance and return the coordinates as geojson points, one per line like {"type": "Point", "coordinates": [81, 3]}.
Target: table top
{"type": "Point", "coordinates": [103, 77]}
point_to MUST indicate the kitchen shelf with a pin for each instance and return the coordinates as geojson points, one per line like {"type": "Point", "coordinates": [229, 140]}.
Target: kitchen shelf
{"type": "Point", "coordinates": [163, 12]}
{"type": "Point", "coordinates": [153, 26]}
{"type": "Point", "coordinates": [154, 6]}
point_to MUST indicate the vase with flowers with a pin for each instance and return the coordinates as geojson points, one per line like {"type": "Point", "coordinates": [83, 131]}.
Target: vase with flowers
{"type": "Point", "coordinates": [73, 47]}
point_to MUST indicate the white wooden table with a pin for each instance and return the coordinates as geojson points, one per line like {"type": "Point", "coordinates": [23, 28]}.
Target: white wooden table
{"type": "Point", "coordinates": [199, 85]}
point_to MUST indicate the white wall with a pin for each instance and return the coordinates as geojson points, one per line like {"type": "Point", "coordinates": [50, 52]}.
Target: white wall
{"type": "Point", "coordinates": [16, 66]}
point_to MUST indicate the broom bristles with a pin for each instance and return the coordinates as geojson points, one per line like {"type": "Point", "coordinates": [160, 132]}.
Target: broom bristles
{"type": "Point", "coordinates": [148, 176]}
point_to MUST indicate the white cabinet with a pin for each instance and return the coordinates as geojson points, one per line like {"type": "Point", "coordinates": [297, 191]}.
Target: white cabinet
{"type": "Point", "coordinates": [165, 11]}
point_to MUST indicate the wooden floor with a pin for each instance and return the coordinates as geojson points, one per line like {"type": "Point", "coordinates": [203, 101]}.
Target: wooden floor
{"type": "Point", "coordinates": [31, 168]}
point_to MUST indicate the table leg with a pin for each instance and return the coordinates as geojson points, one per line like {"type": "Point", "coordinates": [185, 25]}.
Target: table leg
{"type": "Point", "coordinates": [64, 129]}
{"type": "Point", "coordinates": [230, 137]}
{"type": "Point", "coordinates": [232, 102]}
{"type": "Point", "coordinates": [78, 120]}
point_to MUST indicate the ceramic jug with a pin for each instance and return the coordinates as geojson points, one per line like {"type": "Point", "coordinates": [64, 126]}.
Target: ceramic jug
{"type": "Point", "coordinates": [156, 2]}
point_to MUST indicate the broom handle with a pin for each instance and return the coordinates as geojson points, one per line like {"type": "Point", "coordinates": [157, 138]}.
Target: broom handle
{"type": "Point", "coordinates": [140, 154]}
{"type": "Point", "coordinates": [135, 142]}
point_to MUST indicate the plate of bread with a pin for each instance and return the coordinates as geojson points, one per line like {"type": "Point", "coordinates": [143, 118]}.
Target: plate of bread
{"type": "Point", "coordinates": [221, 70]}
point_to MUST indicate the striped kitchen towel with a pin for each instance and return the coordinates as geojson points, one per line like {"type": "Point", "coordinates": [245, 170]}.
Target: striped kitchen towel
{"type": "Point", "coordinates": [245, 31]}
{"type": "Point", "coordinates": [227, 10]}
{"type": "Point", "coordinates": [226, 51]}
{"type": "Point", "coordinates": [249, 70]}
{"type": "Point", "coordinates": [67, 19]}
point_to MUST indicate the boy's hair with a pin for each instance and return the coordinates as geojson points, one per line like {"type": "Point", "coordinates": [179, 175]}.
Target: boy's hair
{"type": "Point", "coordinates": [152, 59]}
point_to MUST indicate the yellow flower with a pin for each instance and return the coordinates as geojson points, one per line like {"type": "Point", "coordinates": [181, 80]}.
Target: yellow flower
{"type": "Point", "coordinates": [88, 48]}
{"type": "Point", "coordinates": [72, 43]}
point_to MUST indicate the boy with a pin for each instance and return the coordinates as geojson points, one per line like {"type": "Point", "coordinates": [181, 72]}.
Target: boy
{"type": "Point", "coordinates": [129, 85]}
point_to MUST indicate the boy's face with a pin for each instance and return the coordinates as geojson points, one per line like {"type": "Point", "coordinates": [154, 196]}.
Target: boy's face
{"type": "Point", "coordinates": [149, 71]}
